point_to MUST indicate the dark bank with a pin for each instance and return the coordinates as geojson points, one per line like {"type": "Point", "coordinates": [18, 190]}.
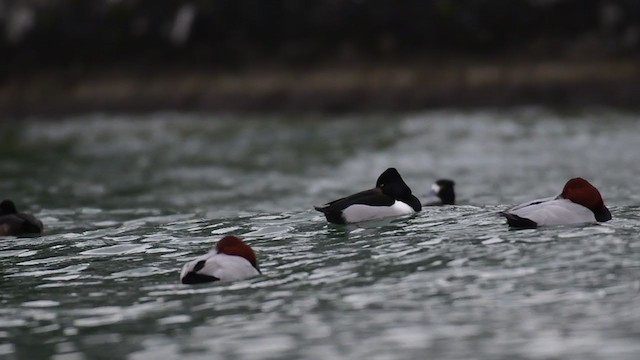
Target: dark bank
{"type": "Point", "coordinates": [331, 56]}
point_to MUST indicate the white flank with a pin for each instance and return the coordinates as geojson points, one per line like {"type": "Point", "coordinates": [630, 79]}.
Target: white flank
{"type": "Point", "coordinates": [552, 211]}
{"type": "Point", "coordinates": [224, 267]}
{"type": "Point", "coordinates": [359, 212]}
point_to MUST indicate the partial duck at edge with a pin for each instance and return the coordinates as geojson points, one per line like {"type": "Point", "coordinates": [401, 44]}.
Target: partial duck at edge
{"type": "Point", "coordinates": [14, 223]}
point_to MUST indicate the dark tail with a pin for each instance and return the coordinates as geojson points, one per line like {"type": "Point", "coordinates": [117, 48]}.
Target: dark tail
{"type": "Point", "coordinates": [322, 209]}
{"type": "Point", "coordinates": [195, 278]}
{"type": "Point", "coordinates": [332, 216]}
{"type": "Point", "coordinates": [518, 222]}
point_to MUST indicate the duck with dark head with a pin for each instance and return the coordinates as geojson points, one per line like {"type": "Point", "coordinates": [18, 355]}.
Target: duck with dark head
{"type": "Point", "coordinates": [14, 223]}
{"type": "Point", "coordinates": [442, 193]}
{"type": "Point", "coordinates": [390, 197]}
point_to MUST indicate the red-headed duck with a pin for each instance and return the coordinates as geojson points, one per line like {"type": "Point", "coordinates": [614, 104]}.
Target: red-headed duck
{"type": "Point", "coordinates": [579, 202]}
{"type": "Point", "coordinates": [231, 259]}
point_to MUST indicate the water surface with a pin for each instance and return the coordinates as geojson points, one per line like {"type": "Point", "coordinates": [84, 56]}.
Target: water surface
{"type": "Point", "coordinates": [126, 200]}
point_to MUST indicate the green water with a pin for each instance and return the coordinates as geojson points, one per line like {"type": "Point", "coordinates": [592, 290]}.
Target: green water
{"type": "Point", "coordinates": [126, 200]}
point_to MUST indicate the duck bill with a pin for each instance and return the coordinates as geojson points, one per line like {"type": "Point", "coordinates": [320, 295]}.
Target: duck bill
{"type": "Point", "coordinates": [602, 214]}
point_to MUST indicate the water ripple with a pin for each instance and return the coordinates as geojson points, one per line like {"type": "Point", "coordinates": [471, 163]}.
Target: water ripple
{"type": "Point", "coordinates": [452, 282]}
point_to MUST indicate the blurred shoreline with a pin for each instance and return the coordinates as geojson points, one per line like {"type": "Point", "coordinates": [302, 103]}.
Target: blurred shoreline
{"type": "Point", "coordinates": [326, 88]}
{"type": "Point", "coordinates": [67, 57]}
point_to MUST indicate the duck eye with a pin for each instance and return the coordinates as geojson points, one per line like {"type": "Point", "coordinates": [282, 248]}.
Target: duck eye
{"type": "Point", "coordinates": [381, 185]}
